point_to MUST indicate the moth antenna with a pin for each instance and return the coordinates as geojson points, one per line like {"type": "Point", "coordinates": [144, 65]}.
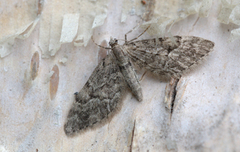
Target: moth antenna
{"type": "Point", "coordinates": [140, 34]}
{"type": "Point", "coordinates": [100, 45]}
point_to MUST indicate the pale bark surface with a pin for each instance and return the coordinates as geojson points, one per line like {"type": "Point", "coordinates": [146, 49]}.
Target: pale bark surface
{"type": "Point", "coordinates": [34, 104]}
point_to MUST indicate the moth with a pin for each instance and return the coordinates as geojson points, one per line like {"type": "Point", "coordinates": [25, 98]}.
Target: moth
{"type": "Point", "coordinates": [101, 97]}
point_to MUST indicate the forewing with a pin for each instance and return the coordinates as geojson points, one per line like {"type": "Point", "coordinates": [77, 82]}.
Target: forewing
{"type": "Point", "coordinates": [169, 57]}
{"type": "Point", "coordinates": [98, 100]}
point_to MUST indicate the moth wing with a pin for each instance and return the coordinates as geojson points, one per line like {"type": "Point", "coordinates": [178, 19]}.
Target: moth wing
{"type": "Point", "coordinates": [169, 57]}
{"type": "Point", "coordinates": [99, 99]}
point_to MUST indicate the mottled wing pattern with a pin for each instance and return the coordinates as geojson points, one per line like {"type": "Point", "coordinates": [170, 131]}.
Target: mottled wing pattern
{"type": "Point", "coordinates": [169, 57]}
{"type": "Point", "coordinates": [98, 100]}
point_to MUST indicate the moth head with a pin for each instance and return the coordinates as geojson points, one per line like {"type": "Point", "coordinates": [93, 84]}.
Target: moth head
{"type": "Point", "coordinates": [113, 42]}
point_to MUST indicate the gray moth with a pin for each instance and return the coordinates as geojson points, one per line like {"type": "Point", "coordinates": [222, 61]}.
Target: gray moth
{"type": "Point", "coordinates": [101, 97]}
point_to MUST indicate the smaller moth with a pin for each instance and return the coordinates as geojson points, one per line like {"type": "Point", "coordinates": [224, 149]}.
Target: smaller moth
{"type": "Point", "coordinates": [101, 97]}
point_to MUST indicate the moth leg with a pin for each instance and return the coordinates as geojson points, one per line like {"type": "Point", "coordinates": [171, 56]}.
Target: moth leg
{"type": "Point", "coordinates": [133, 30]}
{"type": "Point", "coordinates": [143, 75]}
{"type": "Point", "coordinates": [138, 35]}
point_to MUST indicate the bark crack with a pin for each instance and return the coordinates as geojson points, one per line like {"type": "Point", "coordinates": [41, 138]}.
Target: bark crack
{"type": "Point", "coordinates": [170, 95]}
{"type": "Point", "coordinates": [132, 136]}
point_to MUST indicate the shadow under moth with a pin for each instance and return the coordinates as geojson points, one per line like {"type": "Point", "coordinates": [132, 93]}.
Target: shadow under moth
{"type": "Point", "coordinates": [101, 96]}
